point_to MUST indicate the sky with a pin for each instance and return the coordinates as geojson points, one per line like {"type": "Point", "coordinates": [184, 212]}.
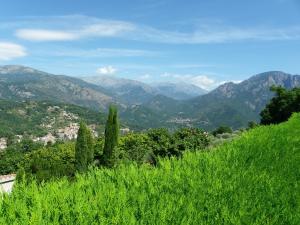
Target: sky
{"type": "Point", "coordinates": [201, 42]}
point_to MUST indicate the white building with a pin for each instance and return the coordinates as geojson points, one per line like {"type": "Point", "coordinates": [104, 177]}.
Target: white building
{"type": "Point", "coordinates": [7, 182]}
{"type": "Point", "coordinates": [3, 143]}
{"type": "Point", "coordinates": [46, 139]}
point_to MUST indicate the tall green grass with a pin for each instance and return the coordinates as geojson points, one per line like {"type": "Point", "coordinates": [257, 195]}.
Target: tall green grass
{"type": "Point", "coordinates": [252, 180]}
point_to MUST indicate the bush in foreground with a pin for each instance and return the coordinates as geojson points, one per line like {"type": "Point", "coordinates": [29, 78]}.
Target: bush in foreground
{"type": "Point", "coordinates": [252, 180]}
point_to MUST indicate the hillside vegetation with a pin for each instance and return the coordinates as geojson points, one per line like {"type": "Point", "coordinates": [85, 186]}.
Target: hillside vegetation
{"type": "Point", "coordinates": [143, 106]}
{"type": "Point", "coordinates": [252, 180]}
{"type": "Point", "coordinates": [38, 118]}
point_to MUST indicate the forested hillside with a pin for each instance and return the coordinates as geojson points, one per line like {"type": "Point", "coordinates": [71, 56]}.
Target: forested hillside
{"type": "Point", "coordinates": [143, 106]}
{"type": "Point", "coordinates": [39, 118]}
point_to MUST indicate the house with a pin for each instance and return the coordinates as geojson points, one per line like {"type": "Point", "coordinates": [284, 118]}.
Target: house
{"type": "Point", "coordinates": [3, 144]}
{"type": "Point", "coordinates": [7, 182]}
{"type": "Point", "coordinates": [124, 130]}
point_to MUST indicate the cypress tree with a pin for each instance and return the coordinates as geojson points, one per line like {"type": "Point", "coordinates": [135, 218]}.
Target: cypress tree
{"type": "Point", "coordinates": [20, 175]}
{"type": "Point", "coordinates": [90, 144]}
{"type": "Point", "coordinates": [81, 149]}
{"type": "Point", "coordinates": [111, 137]}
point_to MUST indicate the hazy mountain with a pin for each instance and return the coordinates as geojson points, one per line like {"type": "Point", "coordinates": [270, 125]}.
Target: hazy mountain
{"type": "Point", "coordinates": [22, 83]}
{"type": "Point", "coordinates": [142, 105]}
{"type": "Point", "coordinates": [129, 91]}
{"type": "Point", "coordinates": [179, 91]}
{"type": "Point", "coordinates": [230, 104]}
{"type": "Point", "coordinates": [136, 92]}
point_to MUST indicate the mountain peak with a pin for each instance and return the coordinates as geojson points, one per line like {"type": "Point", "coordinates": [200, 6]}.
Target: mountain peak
{"type": "Point", "coordinates": [8, 69]}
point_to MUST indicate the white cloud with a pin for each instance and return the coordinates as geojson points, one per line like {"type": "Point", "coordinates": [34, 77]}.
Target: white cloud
{"type": "Point", "coordinates": [144, 77]}
{"type": "Point", "coordinates": [237, 81]}
{"type": "Point", "coordinates": [45, 35]}
{"type": "Point", "coordinates": [10, 51]}
{"type": "Point", "coordinates": [104, 52]}
{"type": "Point", "coordinates": [79, 27]}
{"type": "Point", "coordinates": [106, 28]}
{"type": "Point", "coordinates": [202, 81]}
{"type": "Point", "coordinates": [106, 70]}
{"type": "Point", "coordinates": [87, 27]}
{"type": "Point", "coordinates": [208, 34]}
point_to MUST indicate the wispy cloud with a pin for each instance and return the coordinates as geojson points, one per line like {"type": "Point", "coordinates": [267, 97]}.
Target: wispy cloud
{"type": "Point", "coordinates": [45, 35]}
{"type": "Point", "coordinates": [192, 66]}
{"type": "Point", "coordinates": [103, 52]}
{"type": "Point", "coordinates": [10, 51]}
{"type": "Point", "coordinates": [74, 28]}
{"type": "Point", "coordinates": [79, 27]}
{"type": "Point", "coordinates": [106, 70]}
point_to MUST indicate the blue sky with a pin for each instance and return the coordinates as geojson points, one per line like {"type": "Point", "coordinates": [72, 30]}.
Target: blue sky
{"type": "Point", "coordinates": [195, 41]}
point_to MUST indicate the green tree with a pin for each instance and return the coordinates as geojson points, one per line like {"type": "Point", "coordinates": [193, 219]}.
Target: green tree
{"type": "Point", "coordinates": [49, 163]}
{"type": "Point", "coordinates": [191, 139]}
{"type": "Point", "coordinates": [90, 144]}
{"type": "Point", "coordinates": [20, 174]}
{"type": "Point", "coordinates": [81, 149]}
{"type": "Point", "coordinates": [162, 143]}
{"type": "Point", "coordinates": [252, 124]}
{"type": "Point", "coordinates": [135, 147]}
{"type": "Point", "coordinates": [281, 107]}
{"type": "Point", "coordinates": [222, 130]}
{"type": "Point", "coordinates": [111, 137]}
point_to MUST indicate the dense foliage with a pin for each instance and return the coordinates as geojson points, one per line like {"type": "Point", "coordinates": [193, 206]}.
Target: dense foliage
{"type": "Point", "coordinates": [252, 180]}
{"type": "Point", "coordinates": [30, 117]}
{"type": "Point", "coordinates": [281, 106]}
{"type": "Point", "coordinates": [222, 130]}
{"type": "Point", "coordinates": [139, 148]}
{"type": "Point", "coordinates": [112, 130]}
{"type": "Point", "coordinates": [84, 149]}
{"type": "Point", "coordinates": [50, 162]}
{"type": "Point", "coordinates": [14, 154]}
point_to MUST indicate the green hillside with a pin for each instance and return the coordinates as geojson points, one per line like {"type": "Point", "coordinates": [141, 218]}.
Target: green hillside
{"type": "Point", "coordinates": [40, 117]}
{"type": "Point", "coordinates": [252, 180]}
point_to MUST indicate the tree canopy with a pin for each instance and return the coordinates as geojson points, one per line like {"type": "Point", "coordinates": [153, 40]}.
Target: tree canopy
{"type": "Point", "coordinates": [282, 105]}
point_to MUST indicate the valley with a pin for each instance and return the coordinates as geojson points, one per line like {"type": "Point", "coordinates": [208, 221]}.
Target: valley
{"type": "Point", "coordinates": [143, 106]}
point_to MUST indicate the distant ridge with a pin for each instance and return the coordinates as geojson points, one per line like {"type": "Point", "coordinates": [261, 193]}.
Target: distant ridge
{"type": "Point", "coordinates": [18, 82]}
{"type": "Point", "coordinates": [145, 106]}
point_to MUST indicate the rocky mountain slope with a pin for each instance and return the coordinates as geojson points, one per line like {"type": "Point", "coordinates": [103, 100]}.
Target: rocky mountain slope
{"type": "Point", "coordinates": [142, 106]}
{"type": "Point", "coordinates": [230, 104]}
{"type": "Point", "coordinates": [23, 83]}
{"type": "Point", "coordinates": [179, 91]}
{"type": "Point", "coordinates": [236, 104]}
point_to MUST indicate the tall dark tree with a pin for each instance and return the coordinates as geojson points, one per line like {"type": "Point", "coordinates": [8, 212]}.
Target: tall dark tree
{"type": "Point", "coordinates": [111, 137]}
{"type": "Point", "coordinates": [81, 149]}
{"type": "Point", "coordinates": [90, 144]}
{"type": "Point", "coordinates": [281, 106]}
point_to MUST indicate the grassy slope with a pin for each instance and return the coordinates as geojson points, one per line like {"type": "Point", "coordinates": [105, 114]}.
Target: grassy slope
{"type": "Point", "coordinates": [253, 180]}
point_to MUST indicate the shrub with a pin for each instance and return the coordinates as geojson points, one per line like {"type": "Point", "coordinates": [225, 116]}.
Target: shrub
{"type": "Point", "coordinates": [222, 130]}
{"type": "Point", "coordinates": [281, 107]}
{"type": "Point", "coordinates": [252, 180]}
{"type": "Point", "coordinates": [50, 162]}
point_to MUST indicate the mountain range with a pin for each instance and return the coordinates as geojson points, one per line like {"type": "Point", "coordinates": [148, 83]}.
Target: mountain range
{"type": "Point", "coordinates": [136, 92]}
{"type": "Point", "coordinates": [150, 105]}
